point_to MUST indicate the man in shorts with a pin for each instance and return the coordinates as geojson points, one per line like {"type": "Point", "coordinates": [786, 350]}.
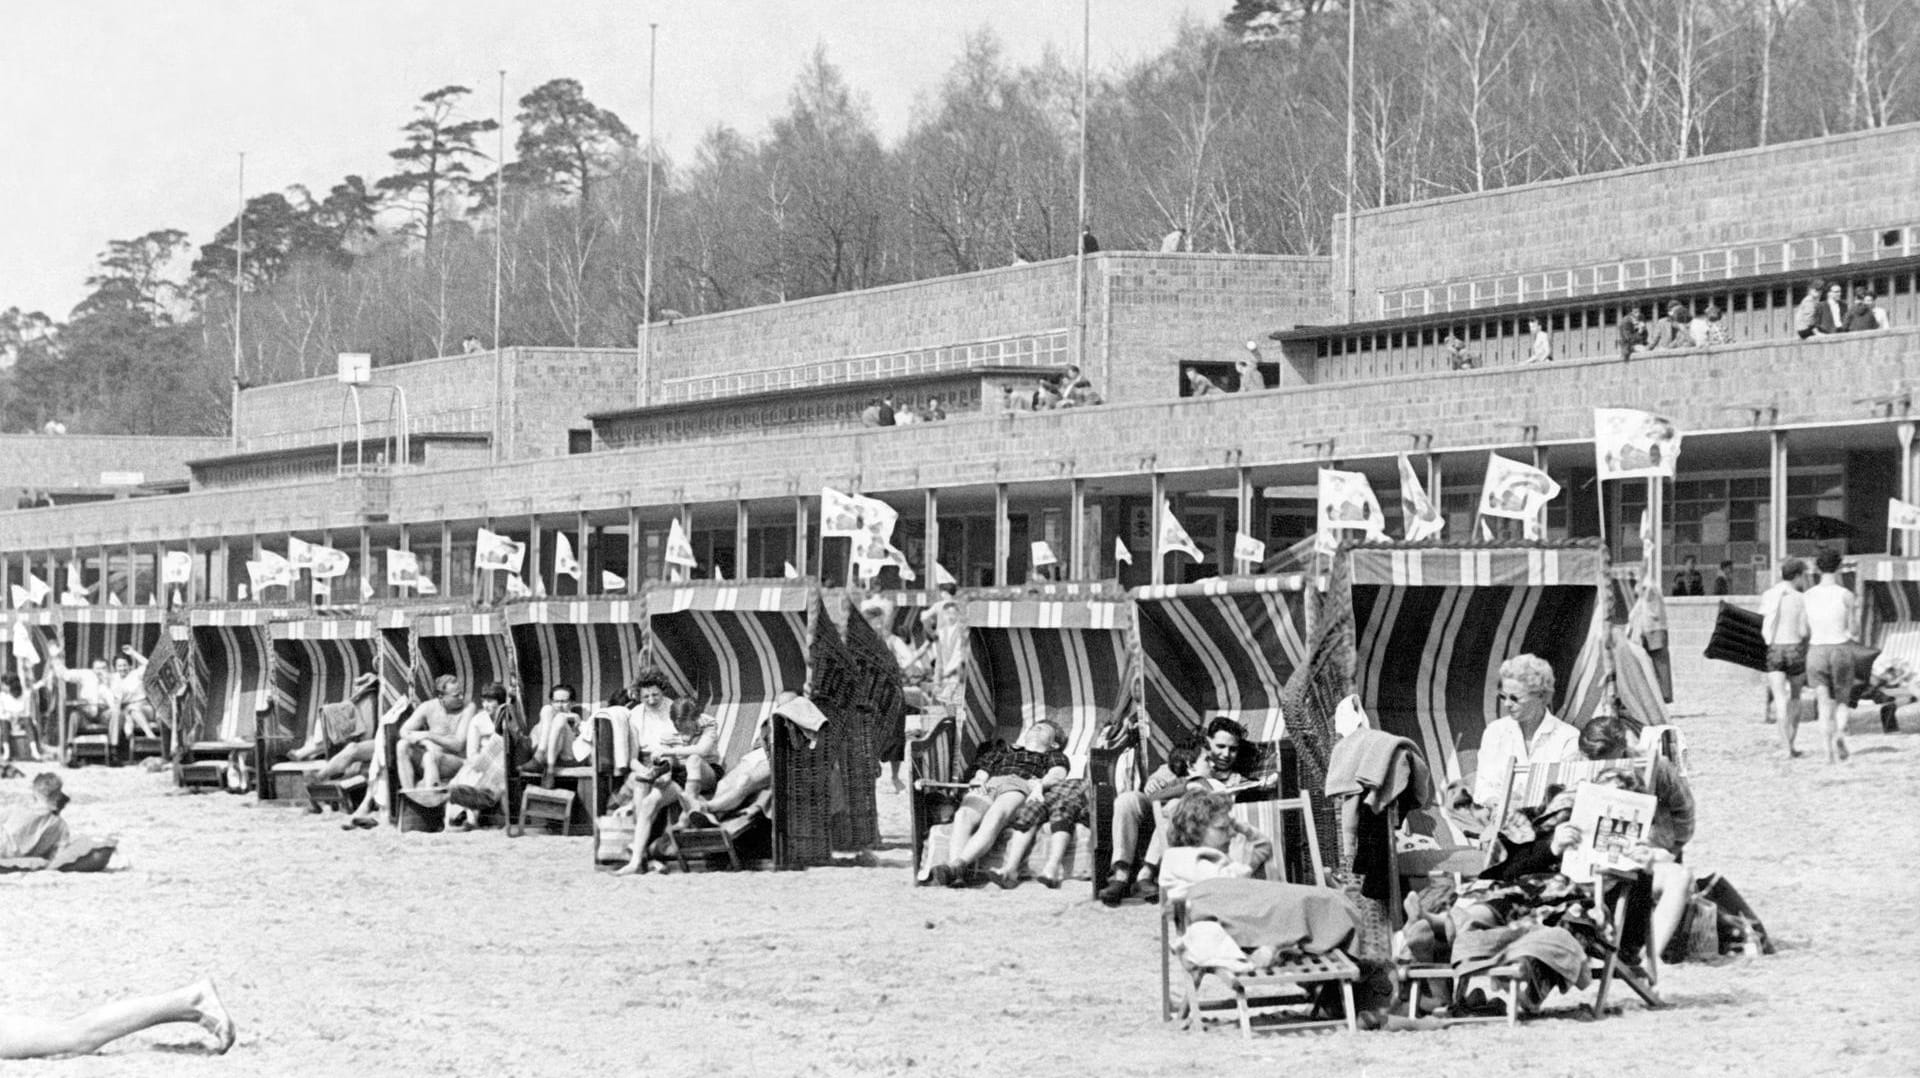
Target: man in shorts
{"type": "Point", "coordinates": [1783, 624]}
{"type": "Point", "coordinates": [1830, 609]}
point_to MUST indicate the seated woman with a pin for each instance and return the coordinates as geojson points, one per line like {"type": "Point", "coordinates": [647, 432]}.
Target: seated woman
{"type": "Point", "coordinates": [1525, 732]}
{"type": "Point", "coordinates": [343, 722]}
{"type": "Point", "coordinates": [1214, 764]}
{"type": "Point", "coordinates": [129, 687]}
{"type": "Point", "coordinates": [482, 780]}
{"type": "Point", "coordinates": [1211, 862]}
{"type": "Point", "coordinates": [650, 720]}
{"type": "Point", "coordinates": [664, 777]}
{"type": "Point", "coordinates": [1672, 828]}
{"type": "Point", "coordinates": [363, 752]}
{"type": "Point", "coordinates": [1007, 781]}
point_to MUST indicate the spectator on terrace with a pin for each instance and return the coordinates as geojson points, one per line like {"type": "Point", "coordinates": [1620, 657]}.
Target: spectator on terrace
{"type": "Point", "coordinates": [933, 412]}
{"type": "Point", "coordinates": [1251, 379]}
{"type": "Point", "coordinates": [1723, 580]}
{"type": "Point", "coordinates": [1688, 580]}
{"type": "Point", "coordinates": [1633, 333]}
{"type": "Point", "coordinates": [1011, 401]}
{"type": "Point", "coordinates": [1199, 385]}
{"type": "Point", "coordinates": [471, 344]}
{"type": "Point", "coordinates": [1864, 313]}
{"type": "Point", "coordinates": [1088, 244]}
{"type": "Point", "coordinates": [1046, 396]}
{"type": "Point", "coordinates": [1805, 314]}
{"type": "Point", "coordinates": [1457, 356]}
{"type": "Point", "coordinates": [870, 414]}
{"type": "Point", "coordinates": [905, 416]}
{"type": "Point", "coordinates": [1670, 331]}
{"type": "Point", "coordinates": [1830, 316]}
{"type": "Point", "coordinates": [887, 417]}
{"type": "Point", "coordinates": [1707, 329]}
{"type": "Point", "coordinates": [1173, 241]}
{"type": "Point", "coordinates": [1072, 381]}
{"type": "Point", "coordinates": [1542, 351]}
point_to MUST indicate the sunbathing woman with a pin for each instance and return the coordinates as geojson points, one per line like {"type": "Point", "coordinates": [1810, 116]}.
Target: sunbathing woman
{"type": "Point", "coordinates": [657, 790]}
{"type": "Point", "coordinates": [343, 722]}
{"type": "Point", "coordinates": [1007, 780]}
{"type": "Point", "coordinates": [24, 1037]}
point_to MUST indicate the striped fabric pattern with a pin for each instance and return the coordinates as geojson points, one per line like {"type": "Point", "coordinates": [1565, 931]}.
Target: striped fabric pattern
{"type": "Point", "coordinates": [596, 646]}
{"type": "Point", "coordinates": [309, 671]}
{"type": "Point", "coordinates": [1427, 657]}
{"type": "Point", "coordinates": [1221, 645]}
{"type": "Point", "coordinates": [733, 659]}
{"type": "Point", "coordinates": [1889, 596]}
{"type": "Point", "coordinates": [472, 646]}
{"type": "Point", "coordinates": [1545, 565]}
{"type": "Point", "coordinates": [764, 596]}
{"type": "Point", "coordinates": [1073, 666]}
{"type": "Point", "coordinates": [230, 675]}
{"type": "Point", "coordinates": [400, 678]}
{"type": "Point", "coordinates": [99, 632]}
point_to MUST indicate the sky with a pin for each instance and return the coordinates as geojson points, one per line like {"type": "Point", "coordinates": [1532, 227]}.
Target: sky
{"type": "Point", "coordinates": [120, 117]}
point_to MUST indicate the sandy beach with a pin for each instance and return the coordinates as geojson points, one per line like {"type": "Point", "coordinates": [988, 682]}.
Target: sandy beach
{"type": "Point", "coordinates": [474, 953]}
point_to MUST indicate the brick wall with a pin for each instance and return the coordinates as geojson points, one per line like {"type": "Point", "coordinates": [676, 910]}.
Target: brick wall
{"type": "Point", "coordinates": [551, 390]}
{"type": "Point", "coordinates": [1465, 411]}
{"type": "Point", "coordinates": [41, 461]}
{"type": "Point", "coordinates": [1771, 193]}
{"type": "Point", "coordinates": [452, 393]}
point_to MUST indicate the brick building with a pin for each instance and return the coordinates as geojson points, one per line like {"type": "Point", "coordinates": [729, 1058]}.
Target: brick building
{"type": "Point", "coordinates": [733, 422]}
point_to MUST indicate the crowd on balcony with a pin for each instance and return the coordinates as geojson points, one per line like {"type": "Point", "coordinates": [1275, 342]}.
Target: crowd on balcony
{"type": "Point", "coordinates": [885, 412]}
{"type": "Point", "coordinates": [1068, 389]}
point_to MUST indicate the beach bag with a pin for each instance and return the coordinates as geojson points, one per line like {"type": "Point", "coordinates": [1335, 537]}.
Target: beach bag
{"type": "Point", "coordinates": [613, 838]}
{"type": "Point", "coordinates": [482, 781]}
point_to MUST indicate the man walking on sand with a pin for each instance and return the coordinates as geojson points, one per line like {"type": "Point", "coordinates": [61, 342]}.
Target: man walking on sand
{"type": "Point", "coordinates": [1830, 608]}
{"type": "Point", "coordinates": [1783, 624]}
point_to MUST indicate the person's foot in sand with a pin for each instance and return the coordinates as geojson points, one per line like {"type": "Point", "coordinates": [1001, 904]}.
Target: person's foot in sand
{"type": "Point", "coordinates": [213, 1015]}
{"type": "Point", "coordinates": [26, 1037]}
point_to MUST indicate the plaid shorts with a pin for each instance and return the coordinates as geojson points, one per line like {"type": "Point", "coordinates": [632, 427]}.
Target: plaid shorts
{"type": "Point", "coordinates": [1065, 805]}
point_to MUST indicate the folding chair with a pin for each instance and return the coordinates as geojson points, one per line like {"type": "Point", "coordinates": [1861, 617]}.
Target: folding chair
{"type": "Point", "coordinates": [1288, 984]}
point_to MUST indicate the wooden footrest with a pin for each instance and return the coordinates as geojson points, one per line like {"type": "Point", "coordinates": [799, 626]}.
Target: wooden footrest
{"type": "Point", "coordinates": [544, 806]}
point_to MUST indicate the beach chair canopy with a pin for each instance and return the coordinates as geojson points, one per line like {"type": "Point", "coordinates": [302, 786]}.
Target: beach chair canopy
{"type": "Point", "coordinates": [315, 662]}
{"type": "Point", "coordinates": [1432, 624]}
{"type": "Point", "coordinates": [99, 632]}
{"type": "Point", "coordinates": [1229, 644]}
{"type": "Point", "coordinates": [473, 646]}
{"type": "Point", "coordinates": [1066, 659]}
{"type": "Point", "coordinates": [230, 669]}
{"type": "Point", "coordinates": [732, 647]}
{"type": "Point", "coordinates": [1889, 590]}
{"type": "Point", "coordinates": [595, 645]}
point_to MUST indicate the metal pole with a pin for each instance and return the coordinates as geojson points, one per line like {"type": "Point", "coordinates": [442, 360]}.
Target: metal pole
{"type": "Point", "coordinates": [1079, 241]}
{"type": "Point", "coordinates": [239, 250]}
{"type": "Point", "coordinates": [1353, 36]}
{"type": "Point", "coordinates": [646, 279]}
{"type": "Point", "coordinates": [499, 261]}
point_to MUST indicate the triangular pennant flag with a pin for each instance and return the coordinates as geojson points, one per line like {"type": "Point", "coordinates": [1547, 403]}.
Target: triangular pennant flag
{"type": "Point", "coordinates": [322, 591]}
{"type": "Point", "coordinates": [23, 649]}
{"type": "Point", "coordinates": [942, 578]}
{"type": "Point", "coordinates": [241, 591]}
{"type": "Point", "coordinates": [1120, 552]}
{"type": "Point", "coordinates": [1419, 520]}
{"type": "Point", "coordinates": [403, 569]}
{"type": "Point", "coordinates": [74, 598]}
{"type": "Point", "coordinates": [1535, 527]}
{"type": "Point", "coordinates": [563, 560]}
{"type": "Point", "coordinates": [1043, 554]}
{"type": "Point", "coordinates": [1902, 515]}
{"type": "Point", "coordinates": [75, 585]}
{"type": "Point", "coordinates": [907, 574]}
{"type": "Point", "coordinates": [539, 590]}
{"type": "Point", "coordinates": [176, 567]}
{"type": "Point", "coordinates": [299, 553]}
{"type": "Point", "coordinates": [516, 587]}
{"type": "Point", "coordinates": [37, 589]}
{"type": "Point", "coordinates": [679, 550]}
{"type": "Point", "coordinates": [21, 597]}
{"type": "Point", "coordinates": [787, 570]}
{"type": "Point", "coordinates": [493, 551]}
{"type": "Point", "coordinates": [1514, 490]}
{"type": "Point", "coordinates": [717, 574]}
{"type": "Point", "coordinates": [113, 599]}
{"type": "Point", "coordinates": [1486, 533]}
{"type": "Point", "coordinates": [366, 590]}
{"type": "Point", "coordinates": [612, 581]}
{"type": "Point", "coordinates": [1174, 537]}
{"type": "Point", "coordinates": [179, 599]}
{"type": "Point", "coordinates": [1247, 548]}
{"type": "Point", "coordinates": [1629, 443]}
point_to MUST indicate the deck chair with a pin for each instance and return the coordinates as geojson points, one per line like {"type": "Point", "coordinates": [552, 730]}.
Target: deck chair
{"type": "Point", "coordinates": [1266, 993]}
{"type": "Point", "coordinates": [1527, 786]}
{"type": "Point", "coordinates": [938, 783]}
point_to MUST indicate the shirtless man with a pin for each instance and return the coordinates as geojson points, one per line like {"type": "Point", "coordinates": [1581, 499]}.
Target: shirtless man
{"type": "Point", "coordinates": [1783, 624]}
{"type": "Point", "coordinates": [1829, 612]}
{"type": "Point", "coordinates": [434, 737]}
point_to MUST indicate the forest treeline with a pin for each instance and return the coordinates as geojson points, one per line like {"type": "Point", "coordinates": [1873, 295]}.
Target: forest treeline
{"type": "Point", "coordinates": [1234, 133]}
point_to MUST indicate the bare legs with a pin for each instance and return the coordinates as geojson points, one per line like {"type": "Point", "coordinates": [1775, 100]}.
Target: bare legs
{"type": "Point", "coordinates": [1831, 732]}
{"type": "Point", "coordinates": [1672, 889]}
{"type": "Point", "coordinates": [34, 1038]}
{"type": "Point", "coordinates": [649, 813]}
{"type": "Point", "coordinates": [336, 767]}
{"type": "Point", "coordinates": [1786, 697]}
{"type": "Point", "coordinates": [975, 832]}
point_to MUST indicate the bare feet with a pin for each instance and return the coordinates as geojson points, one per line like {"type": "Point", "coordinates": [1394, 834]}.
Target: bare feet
{"type": "Point", "coordinates": [630, 869]}
{"type": "Point", "coordinates": [213, 1015]}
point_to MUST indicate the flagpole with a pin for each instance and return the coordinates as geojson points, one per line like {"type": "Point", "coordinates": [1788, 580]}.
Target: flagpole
{"type": "Point", "coordinates": [646, 283]}
{"type": "Point", "coordinates": [239, 251]}
{"type": "Point", "coordinates": [499, 261]}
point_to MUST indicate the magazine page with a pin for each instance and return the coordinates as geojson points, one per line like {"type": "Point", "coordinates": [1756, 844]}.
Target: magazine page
{"type": "Point", "coordinates": [1612, 823]}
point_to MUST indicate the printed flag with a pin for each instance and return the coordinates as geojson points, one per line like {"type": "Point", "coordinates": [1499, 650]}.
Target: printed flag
{"type": "Point", "coordinates": [612, 581]}
{"type": "Point", "coordinates": [1419, 519]}
{"type": "Point", "coordinates": [942, 578]}
{"type": "Point", "coordinates": [1347, 504]}
{"type": "Point", "coordinates": [1247, 548]}
{"type": "Point", "coordinates": [1902, 514]}
{"type": "Point", "coordinates": [493, 551]}
{"type": "Point", "coordinates": [176, 567]}
{"type": "Point", "coordinates": [269, 570]}
{"type": "Point", "coordinates": [328, 563]}
{"type": "Point", "coordinates": [76, 593]}
{"type": "Point", "coordinates": [299, 553]}
{"type": "Point", "coordinates": [852, 516]}
{"type": "Point", "coordinates": [23, 649]}
{"type": "Point", "coordinates": [1628, 442]}
{"type": "Point", "coordinates": [37, 589]}
{"type": "Point", "coordinates": [1043, 554]}
{"type": "Point", "coordinates": [403, 569]}
{"type": "Point", "coordinates": [516, 587]}
{"type": "Point", "coordinates": [1514, 490]}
